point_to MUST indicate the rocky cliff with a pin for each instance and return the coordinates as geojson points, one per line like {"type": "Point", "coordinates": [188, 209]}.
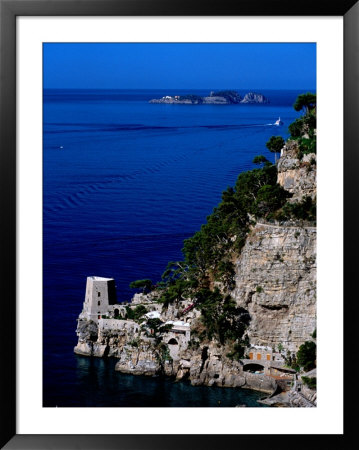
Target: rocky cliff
{"type": "Point", "coordinates": [276, 269]}
{"type": "Point", "coordinates": [297, 175]}
{"type": "Point", "coordinates": [254, 97]}
{"type": "Point", "coordinates": [276, 283]}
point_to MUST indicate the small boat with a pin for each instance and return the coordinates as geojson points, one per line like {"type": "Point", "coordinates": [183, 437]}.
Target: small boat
{"type": "Point", "coordinates": [278, 122]}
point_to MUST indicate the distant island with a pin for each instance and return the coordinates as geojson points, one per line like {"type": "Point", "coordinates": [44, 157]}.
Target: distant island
{"type": "Point", "coordinates": [214, 98]}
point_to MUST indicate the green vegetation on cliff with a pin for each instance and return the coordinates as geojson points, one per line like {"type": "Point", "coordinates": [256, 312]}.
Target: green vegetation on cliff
{"type": "Point", "coordinates": [305, 359]}
{"type": "Point", "coordinates": [221, 317]}
{"type": "Point", "coordinates": [310, 382]}
{"type": "Point", "coordinates": [145, 285]}
{"type": "Point", "coordinates": [307, 101]}
{"type": "Point", "coordinates": [137, 313]}
{"type": "Point", "coordinates": [275, 145]}
{"type": "Point", "coordinates": [304, 129]}
{"type": "Point", "coordinates": [304, 210]}
{"type": "Point", "coordinates": [307, 355]}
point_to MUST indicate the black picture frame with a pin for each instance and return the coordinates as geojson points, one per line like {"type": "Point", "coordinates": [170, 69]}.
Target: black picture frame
{"type": "Point", "coordinates": [9, 10]}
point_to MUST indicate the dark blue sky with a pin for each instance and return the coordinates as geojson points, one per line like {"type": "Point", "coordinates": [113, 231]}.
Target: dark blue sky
{"type": "Point", "coordinates": [181, 66]}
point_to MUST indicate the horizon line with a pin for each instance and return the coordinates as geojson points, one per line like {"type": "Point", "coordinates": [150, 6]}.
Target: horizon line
{"type": "Point", "coordinates": [172, 88]}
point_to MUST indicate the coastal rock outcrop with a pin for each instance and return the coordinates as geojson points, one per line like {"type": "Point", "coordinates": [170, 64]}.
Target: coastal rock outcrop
{"type": "Point", "coordinates": [207, 366]}
{"type": "Point", "coordinates": [254, 97]}
{"type": "Point", "coordinates": [140, 354]}
{"type": "Point", "coordinates": [295, 175]}
{"type": "Point", "coordinates": [138, 360]}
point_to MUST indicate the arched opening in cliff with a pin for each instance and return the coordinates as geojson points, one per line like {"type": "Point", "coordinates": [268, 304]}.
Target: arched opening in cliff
{"type": "Point", "coordinates": [253, 368]}
{"type": "Point", "coordinates": [172, 342]}
{"type": "Point", "coordinates": [116, 312]}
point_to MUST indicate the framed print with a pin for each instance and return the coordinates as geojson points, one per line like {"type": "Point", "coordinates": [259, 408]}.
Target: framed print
{"type": "Point", "coordinates": [163, 271]}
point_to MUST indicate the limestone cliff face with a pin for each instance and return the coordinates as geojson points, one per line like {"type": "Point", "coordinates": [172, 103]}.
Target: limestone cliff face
{"type": "Point", "coordinates": [276, 283]}
{"type": "Point", "coordinates": [297, 176]}
{"type": "Point", "coordinates": [276, 270]}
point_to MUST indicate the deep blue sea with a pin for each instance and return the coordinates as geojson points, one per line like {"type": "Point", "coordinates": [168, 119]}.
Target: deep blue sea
{"type": "Point", "coordinates": [125, 182]}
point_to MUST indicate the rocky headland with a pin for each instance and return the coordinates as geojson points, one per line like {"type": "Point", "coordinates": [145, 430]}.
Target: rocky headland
{"type": "Point", "coordinates": [214, 98]}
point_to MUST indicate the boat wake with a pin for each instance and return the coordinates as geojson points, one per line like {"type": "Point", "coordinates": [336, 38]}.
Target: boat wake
{"type": "Point", "coordinates": [117, 128]}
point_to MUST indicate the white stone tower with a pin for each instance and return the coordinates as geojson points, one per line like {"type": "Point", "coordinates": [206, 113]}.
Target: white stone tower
{"type": "Point", "coordinates": [100, 293]}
